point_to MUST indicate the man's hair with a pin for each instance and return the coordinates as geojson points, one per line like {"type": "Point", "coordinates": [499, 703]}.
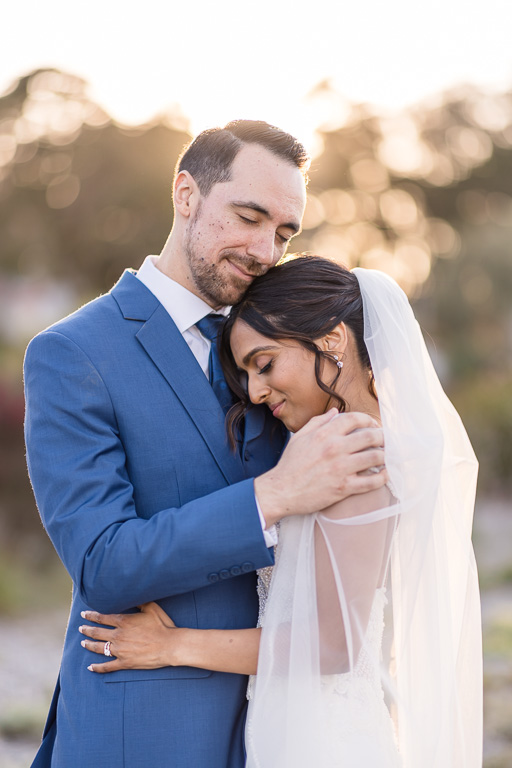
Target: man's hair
{"type": "Point", "coordinates": [209, 157]}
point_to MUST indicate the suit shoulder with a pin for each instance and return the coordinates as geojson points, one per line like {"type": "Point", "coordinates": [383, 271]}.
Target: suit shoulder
{"type": "Point", "coordinates": [78, 328]}
{"type": "Point", "coordinates": [73, 325]}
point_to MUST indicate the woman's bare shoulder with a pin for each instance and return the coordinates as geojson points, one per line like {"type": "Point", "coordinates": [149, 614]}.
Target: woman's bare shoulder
{"type": "Point", "coordinates": [360, 504]}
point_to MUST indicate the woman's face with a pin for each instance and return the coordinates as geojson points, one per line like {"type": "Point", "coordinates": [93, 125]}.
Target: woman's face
{"type": "Point", "coordinates": [281, 374]}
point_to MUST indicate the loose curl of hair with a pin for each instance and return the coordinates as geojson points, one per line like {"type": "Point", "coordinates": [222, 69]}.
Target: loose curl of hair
{"type": "Point", "coordinates": [301, 299]}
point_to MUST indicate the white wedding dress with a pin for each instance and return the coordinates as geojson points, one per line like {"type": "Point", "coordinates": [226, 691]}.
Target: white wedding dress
{"type": "Point", "coordinates": [357, 727]}
{"type": "Point", "coordinates": [370, 652]}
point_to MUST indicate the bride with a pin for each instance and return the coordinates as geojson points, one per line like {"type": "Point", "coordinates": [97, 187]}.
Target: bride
{"type": "Point", "coordinates": [368, 650]}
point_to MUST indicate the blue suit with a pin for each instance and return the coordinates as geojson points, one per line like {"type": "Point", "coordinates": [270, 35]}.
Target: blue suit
{"type": "Point", "coordinates": [143, 500]}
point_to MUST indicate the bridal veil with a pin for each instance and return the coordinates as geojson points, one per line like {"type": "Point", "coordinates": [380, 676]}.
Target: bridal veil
{"type": "Point", "coordinates": [371, 644]}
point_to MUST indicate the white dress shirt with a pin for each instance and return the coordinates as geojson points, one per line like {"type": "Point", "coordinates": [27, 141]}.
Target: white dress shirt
{"type": "Point", "coordinates": [186, 309]}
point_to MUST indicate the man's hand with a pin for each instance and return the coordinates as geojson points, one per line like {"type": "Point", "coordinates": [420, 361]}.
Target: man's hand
{"type": "Point", "coordinates": [324, 462]}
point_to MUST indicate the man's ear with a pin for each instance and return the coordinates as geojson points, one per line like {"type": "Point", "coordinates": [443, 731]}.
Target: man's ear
{"type": "Point", "coordinates": [336, 340]}
{"type": "Point", "coordinates": [185, 194]}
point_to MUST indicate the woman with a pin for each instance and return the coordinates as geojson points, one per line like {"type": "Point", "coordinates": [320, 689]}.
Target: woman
{"type": "Point", "coordinates": [370, 651]}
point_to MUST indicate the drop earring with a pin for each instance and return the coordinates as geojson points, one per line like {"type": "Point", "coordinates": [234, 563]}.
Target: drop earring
{"type": "Point", "coordinates": [339, 363]}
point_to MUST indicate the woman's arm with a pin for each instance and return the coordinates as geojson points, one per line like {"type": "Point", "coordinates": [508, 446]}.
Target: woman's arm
{"type": "Point", "coordinates": [150, 639]}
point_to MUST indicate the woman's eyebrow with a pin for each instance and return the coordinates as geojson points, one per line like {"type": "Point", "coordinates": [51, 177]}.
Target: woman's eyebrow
{"type": "Point", "coordinates": [255, 351]}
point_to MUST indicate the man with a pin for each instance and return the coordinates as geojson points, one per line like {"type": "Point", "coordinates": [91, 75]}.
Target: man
{"type": "Point", "coordinates": [134, 479]}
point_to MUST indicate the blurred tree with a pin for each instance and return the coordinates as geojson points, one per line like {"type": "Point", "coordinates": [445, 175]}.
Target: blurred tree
{"type": "Point", "coordinates": [81, 199]}
{"type": "Point", "coordinates": [425, 195]}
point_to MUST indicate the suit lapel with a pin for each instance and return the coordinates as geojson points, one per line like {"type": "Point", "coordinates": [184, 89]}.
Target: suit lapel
{"type": "Point", "coordinates": [170, 353]}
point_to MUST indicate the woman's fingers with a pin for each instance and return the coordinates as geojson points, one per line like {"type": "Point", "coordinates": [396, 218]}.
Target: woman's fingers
{"type": "Point", "coordinates": [98, 647]}
{"type": "Point", "coordinates": [111, 619]}
{"type": "Point", "coordinates": [108, 666]}
{"type": "Point", "coordinates": [157, 612]}
{"type": "Point", "coordinates": [140, 640]}
{"type": "Point", "coordinates": [96, 633]}
{"type": "Point", "coordinates": [95, 647]}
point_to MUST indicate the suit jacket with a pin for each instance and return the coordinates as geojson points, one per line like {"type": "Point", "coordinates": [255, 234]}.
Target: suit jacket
{"type": "Point", "coordinates": [143, 500]}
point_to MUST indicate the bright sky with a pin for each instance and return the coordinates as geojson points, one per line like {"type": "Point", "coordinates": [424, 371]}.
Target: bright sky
{"type": "Point", "coordinates": [229, 59]}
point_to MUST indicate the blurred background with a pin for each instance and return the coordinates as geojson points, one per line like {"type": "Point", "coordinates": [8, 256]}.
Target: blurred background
{"type": "Point", "coordinates": [408, 115]}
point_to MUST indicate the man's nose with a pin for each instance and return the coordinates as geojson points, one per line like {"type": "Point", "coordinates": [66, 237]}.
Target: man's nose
{"type": "Point", "coordinates": [262, 247]}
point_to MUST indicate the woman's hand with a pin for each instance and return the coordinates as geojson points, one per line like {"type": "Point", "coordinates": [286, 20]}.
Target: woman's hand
{"type": "Point", "coordinates": [145, 640]}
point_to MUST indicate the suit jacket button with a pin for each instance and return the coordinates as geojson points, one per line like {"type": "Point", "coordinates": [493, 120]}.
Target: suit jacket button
{"type": "Point", "coordinates": [213, 577]}
{"type": "Point", "coordinates": [235, 570]}
{"type": "Point", "coordinates": [246, 567]}
{"type": "Point", "coordinates": [247, 455]}
{"type": "Point", "coordinates": [224, 574]}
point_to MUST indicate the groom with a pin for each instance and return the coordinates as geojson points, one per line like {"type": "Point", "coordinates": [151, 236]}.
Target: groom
{"type": "Point", "coordinates": [135, 482]}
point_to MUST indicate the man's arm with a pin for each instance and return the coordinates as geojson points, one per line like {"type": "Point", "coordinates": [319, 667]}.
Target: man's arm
{"type": "Point", "coordinates": [324, 462]}
{"type": "Point", "coordinates": [77, 465]}
{"type": "Point", "coordinates": [117, 559]}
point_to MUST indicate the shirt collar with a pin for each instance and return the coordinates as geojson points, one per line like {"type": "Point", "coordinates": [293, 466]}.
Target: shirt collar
{"type": "Point", "coordinates": [184, 307]}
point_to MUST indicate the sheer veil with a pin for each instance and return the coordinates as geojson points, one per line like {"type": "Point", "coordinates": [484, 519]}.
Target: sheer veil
{"type": "Point", "coordinates": [371, 644]}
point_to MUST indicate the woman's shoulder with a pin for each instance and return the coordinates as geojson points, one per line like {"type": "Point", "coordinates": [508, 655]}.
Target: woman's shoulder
{"type": "Point", "coordinates": [361, 504]}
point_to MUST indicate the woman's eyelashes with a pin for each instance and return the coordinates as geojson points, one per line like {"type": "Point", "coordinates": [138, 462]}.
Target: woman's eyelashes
{"type": "Point", "coordinates": [265, 368]}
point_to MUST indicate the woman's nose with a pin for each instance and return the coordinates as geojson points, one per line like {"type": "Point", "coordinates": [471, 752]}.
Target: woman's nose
{"type": "Point", "coordinates": [258, 392]}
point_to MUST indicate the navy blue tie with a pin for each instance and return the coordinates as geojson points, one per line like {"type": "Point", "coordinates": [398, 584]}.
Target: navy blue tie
{"type": "Point", "coordinates": [210, 328]}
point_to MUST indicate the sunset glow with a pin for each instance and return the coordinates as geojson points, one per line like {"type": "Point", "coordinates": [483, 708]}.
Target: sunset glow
{"type": "Point", "coordinates": [209, 63]}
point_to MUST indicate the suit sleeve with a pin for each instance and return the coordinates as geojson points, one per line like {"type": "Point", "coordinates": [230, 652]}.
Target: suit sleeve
{"type": "Point", "coordinates": [77, 467]}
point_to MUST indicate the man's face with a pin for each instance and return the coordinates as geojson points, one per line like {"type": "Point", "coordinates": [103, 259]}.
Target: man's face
{"type": "Point", "coordinates": [243, 226]}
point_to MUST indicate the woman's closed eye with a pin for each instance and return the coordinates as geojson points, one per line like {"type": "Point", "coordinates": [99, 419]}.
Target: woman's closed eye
{"type": "Point", "coordinates": [265, 368]}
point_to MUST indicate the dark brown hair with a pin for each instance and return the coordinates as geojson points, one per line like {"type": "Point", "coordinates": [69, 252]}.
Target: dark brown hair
{"type": "Point", "coordinates": [301, 299]}
{"type": "Point", "coordinates": [209, 157]}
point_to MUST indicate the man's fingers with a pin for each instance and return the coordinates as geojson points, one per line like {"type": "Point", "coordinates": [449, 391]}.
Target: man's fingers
{"type": "Point", "coordinates": [364, 460]}
{"type": "Point", "coordinates": [344, 423]}
{"type": "Point", "coordinates": [318, 421]}
{"type": "Point", "coordinates": [368, 482]}
{"type": "Point", "coordinates": [362, 439]}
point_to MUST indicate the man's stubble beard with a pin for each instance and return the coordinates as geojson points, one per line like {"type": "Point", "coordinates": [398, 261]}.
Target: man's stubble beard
{"type": "Point", "coordinates": [216, 288]}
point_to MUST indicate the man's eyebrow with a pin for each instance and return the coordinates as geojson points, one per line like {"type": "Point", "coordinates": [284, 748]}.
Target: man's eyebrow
{"type": "Point", "coordinates": [255, 351]}
{"type": "Point", "coordinates": [293, 225]}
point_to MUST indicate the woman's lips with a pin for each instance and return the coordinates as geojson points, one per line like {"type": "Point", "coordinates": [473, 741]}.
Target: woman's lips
{"type": "Point", "coordinates": [276, 409]}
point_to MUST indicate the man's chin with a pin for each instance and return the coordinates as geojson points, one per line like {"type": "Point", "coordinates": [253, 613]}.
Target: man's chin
{"type": "Point", "coordinates": [225, 296]}
{"type": "Point", "coordinates": [232, 292]}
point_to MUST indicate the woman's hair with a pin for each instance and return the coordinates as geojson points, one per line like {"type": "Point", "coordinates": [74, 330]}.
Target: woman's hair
{"type": "Point", "coordinates": [302, 299]}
